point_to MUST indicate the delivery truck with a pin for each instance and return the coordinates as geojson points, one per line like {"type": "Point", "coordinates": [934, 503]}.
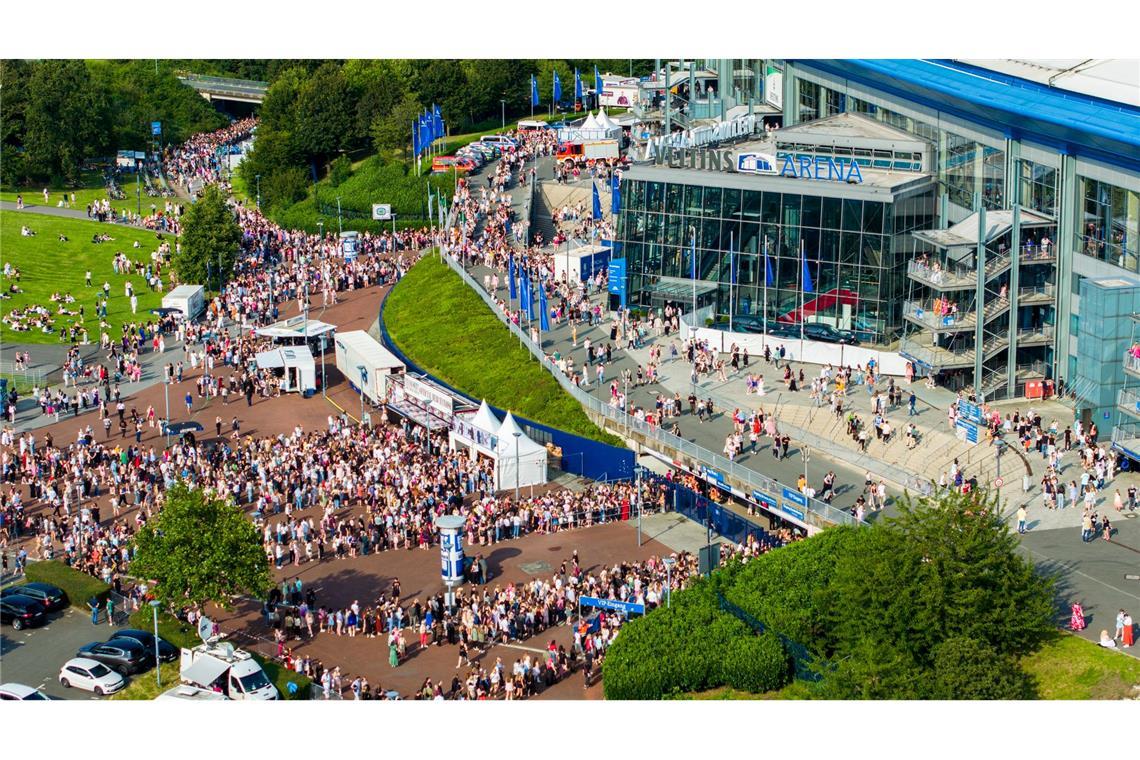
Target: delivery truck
{"type": "Point", "coordinates": [188, 299]}
{"type": "Point", "coordinates": [366, 364]}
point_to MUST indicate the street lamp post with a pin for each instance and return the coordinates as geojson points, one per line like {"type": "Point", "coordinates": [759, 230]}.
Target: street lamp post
{"type": "Point", "coordinates": [154, 605]}
{"type": "Point", "coordinates": [669, 562]}
{"type": "Point", "coordinates": [637, 494]}
{"type": "Point", "coordinates": [258, 191]}
{"type": "Point", "coordinates": [807, 458]}
{"type": "Point", "coordinates": [517, 434]}
{"type": "Point", "coordinates": [503, 103]}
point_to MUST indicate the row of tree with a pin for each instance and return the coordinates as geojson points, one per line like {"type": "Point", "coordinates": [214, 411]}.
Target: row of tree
{"type": "Point", "coordinates": [56, 114]}
{"type": "Point", "coordinates": [313, 114]}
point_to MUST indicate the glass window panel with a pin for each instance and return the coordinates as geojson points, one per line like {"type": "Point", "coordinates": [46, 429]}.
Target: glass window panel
{"type": "Point", "coordinates": [831, 213]}
{"type": "Point", "coordinates": [730, 204]}
{"type": "Point", "coordinates": [771, 213]}
{"type": "Point", "coordinates": [712, 202]}
{"type": "Point", "coordinates": [752, 203]}
{"type": "Point", "coordinates": [810, 211]}
{"type": "Point", "coordinates": [673, 195]}
{"type": "Point", "coordinates": [693, 196]}
{"type": "Point", "coordinates": [873, 217]}
{"type": "Point", "coordinates": [852, 214]}
{"type": "Point", "coordinates": [654, 194]}
{"type": "Point", "coordinates": [790, 210]}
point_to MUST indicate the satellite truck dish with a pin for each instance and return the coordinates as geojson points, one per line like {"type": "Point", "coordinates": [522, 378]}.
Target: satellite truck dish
{"type": "Point", "coordinates": [205, 629]}
{"type": "Point", "coordinates": [227, 649]}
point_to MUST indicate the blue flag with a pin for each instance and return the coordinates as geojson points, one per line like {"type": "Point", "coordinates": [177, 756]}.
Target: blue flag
{"type": "Point", "coordinates": [577, 85]}
{"type": "Point", "coordinates": [598, 85]}
{"type": "Point", "coordinates": [543, 310]}
{"type": "Point", "coordinates": [597, 202]}
{"type": "Point", "coordinates": [769, 280]}
{"type": "Point", "coordinates": [529, 300]}
{"type": "Point", "coordinates": [732, 264]}
{"type": "Point", "coordinates": [511, 278]}
{"type": "Point", "coordinates": [437, 120]}
{"type": "Point", "coordinates": [416, 138]}
{"type": "Point", "coordinates": [808, 286]}
{"type": "Point", "coordinates": [615, 195]}
{"type": "Point", "coordinates": [557, 88]}
{"type": "Point", "coordinates": [693, 259]}
{"type": "Point", "coordinates": [533, 90]}
{"type": "Point", "coordinates": [522, 288]}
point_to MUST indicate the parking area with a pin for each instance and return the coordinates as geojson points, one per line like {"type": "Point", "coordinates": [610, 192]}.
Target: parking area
{"type": "Point", "coordinates": [34, 656]}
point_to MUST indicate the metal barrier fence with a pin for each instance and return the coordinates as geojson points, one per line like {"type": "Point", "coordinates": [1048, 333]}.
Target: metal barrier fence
{"type": "Point", "coordinates": [704, 511]}
{"type": "Point", "coordinates": [27, 376]}
{"type": "Point", "coordinates": [629, 424]}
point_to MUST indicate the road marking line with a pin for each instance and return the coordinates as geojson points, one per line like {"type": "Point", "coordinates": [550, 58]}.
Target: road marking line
{"type": "Point", "coordinates": [525, 649]}
{"type": "Point", "coordinates": [1086, 575]}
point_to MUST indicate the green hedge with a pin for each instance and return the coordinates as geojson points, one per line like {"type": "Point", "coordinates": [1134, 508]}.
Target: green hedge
{"type": "Point", "coordinates": [672, 649]}
{"type": "Point", "coordinates": [757, 663]}
{"type": "Point", "coordinates": [79, 586]}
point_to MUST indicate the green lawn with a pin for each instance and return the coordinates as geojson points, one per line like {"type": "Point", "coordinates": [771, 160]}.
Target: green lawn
{"type": "Point", "coordinates": [143, 686]}
{"type": "Point", "coordinates": [794, 690]}
{"type": "Point", "coordinates": [1072, 668]}
{"type": "Point", "coordinates": [48, 265]}
{"type": "Point", "coordinates": [447, 329]}
{"type": "Point", "coordinates": [91, 189]}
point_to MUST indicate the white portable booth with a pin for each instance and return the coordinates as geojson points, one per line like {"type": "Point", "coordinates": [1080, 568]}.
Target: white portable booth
{"type": "Point", "coordinates": [355, 350]}
{"type": "Point", "coordinates": [298, 370]}
{"type": "Point", "coordinates": [188, 299]}
{"type": "Point", "coordinates": [583, 262]}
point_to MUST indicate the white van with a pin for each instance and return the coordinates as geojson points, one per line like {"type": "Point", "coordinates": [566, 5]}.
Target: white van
{"type": "Point", "coordinates": [526, 124]}
{"type": "Point", "coordinates": [502, 141]}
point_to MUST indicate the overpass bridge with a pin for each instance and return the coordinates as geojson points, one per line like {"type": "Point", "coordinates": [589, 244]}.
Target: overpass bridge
{"type": "Point", "coordinates": [225, 88]}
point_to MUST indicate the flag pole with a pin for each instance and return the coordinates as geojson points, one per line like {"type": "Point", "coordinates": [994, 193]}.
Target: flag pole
{"type": "Point", "coordinates": [731, 278]}
{"type": "Point", "coordinates": [765, 289]}
{"type": "Point", "coordinates": [803, 268]}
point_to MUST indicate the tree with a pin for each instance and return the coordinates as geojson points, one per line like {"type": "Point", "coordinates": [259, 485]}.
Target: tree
{"type": "Point", "coordinates": [395, 130]}
{"type": "Point", "coordinates": [210, 240]}
{"type": "Point", "coordinates": [67, 119]}
{"type": "Point", "coordinates": [970, 669]}
{"type": "Point", "coordinates": [200, 548]}
{"type": "Point", "coordinates": [325, 113]}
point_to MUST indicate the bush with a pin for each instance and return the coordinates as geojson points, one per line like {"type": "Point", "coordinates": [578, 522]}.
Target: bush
{"type": "Point", "coordinates": [757, 663]}
{"type": "Point", "coordinates": [670, 650]}
{"type": "Point", "coordinates": [79, 586]}
{"type": "Point", "coordinates": [966, 668]}
{"type": "Point", "coordinates": [339, 171]}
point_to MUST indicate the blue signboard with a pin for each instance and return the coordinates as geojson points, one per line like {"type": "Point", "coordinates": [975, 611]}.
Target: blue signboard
{"type": "Point", "coordinates": [764, 500]}
{"type": "Point", "coordinates": [712, 475]}
{"type": "Point", "coordinates": [628, 608]}
{"type": "Point", "coordinates": [969, 427]}
{"type": "Point", "coordinates": [796, 513]}
{"type": "Point", "coordinates": [617, 281]}
{"type": "Point", "coordinates": [971, 412]}
{"type": "Point", "coordinates": [156, 128]}
{"type": "Point", "coordinates": [794, 496]}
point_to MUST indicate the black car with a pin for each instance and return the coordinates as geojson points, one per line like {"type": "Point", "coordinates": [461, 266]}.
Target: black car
{"type": "Point", "coordinates": [828, 334]}
{"type": "Point", "coordinates": [124, 656]}
{"type": "Point", "coordinates": [21, 611]}
{"type": "Point", "coordinates": [167, 652]}
{"type": "Point", "coordinates": [53, 598]}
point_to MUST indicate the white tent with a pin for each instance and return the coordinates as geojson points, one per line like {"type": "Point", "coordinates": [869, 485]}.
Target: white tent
{"type": "Point", "coordinates": [485, 419]}
{"type": "Point", "coordinates": [520, 461]}
{"type": "Point", "coordinates": [591, 122]}
{"type": "Point", "coordinates": [605, 122]}
{"type": "Point", "coordinates": [298, 371]}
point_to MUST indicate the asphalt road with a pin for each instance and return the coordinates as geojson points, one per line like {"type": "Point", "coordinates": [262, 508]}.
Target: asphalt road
{"type": "Point", "coordinates": [34, 656]}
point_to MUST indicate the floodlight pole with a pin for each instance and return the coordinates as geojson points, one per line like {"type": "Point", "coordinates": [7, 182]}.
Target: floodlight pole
{"type": "Point", "coordinates": [154, 604]}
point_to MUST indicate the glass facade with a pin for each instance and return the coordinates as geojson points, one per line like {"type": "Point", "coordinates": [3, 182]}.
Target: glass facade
{"type": "Point", "coordinates": [965, 166]}
{"type": "Point", "coordinates": [855, 251]}
{"type": "Point", "coordinates": [1038, 187]}
{"type": "Point", "coordinates": [1110, 223]}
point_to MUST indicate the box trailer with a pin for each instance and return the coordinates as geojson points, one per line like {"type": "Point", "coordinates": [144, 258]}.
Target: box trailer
{"type": "Point", "coordinates": [366, 364]}
{"type": "Point", "coordinates": [188, 299]}
{"type": "Point", "coordinates": [582, 262]}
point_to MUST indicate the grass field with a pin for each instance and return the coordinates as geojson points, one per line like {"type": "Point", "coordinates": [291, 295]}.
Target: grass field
{"type": "Point", "coordinates": [91, 189]}
{"type": "Point", "coordinates": [1072, 668]}
{"type": "Point", "coordinates": [47, 266]}
{"type": "Point", "coordinates": [447, 329]}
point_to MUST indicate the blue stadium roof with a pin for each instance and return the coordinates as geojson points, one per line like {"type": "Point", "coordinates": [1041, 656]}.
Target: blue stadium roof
{"type": "Point", "coordinates": [1069, 122]}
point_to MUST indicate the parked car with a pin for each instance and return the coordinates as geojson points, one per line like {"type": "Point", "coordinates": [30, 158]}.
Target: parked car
{"type": "Point", "coordinates": [20, 692]}
{"type": "Point", "coordinates": [21, 612]}
{"type": "Point", "coordinates": [167, 652]}
{"type": "Point", "coordinates": [829, 334]}
{"type": "Point", "coordinates": [51, 597]}
{"type": "Point", "coordinates": [89, 675]}
{"type": "Point", "coordinates": [126, 656]}
{"type": "Point", "coordinates": [441, 164]}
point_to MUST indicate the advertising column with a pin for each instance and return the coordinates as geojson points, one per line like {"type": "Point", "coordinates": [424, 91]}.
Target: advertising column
{"type": "Point", "coordinates": [451, 553]}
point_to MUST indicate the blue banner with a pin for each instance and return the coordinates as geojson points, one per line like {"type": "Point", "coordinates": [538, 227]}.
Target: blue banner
{"type": "Point", "coordinates": [156, 128]}
{"type": "Point", "coordinates": [693, 259]}
{"type": "Point", "coordinates": [511, 278]}
{"type": "Point", "coordinates": [809, 287]}
{"type": "Point", "coordinates": [794, 496]}
{"type": "Point", "coordinates": [765, 500]}
{"type": "Point", "coordinates": [598, 86]}
{"type": "Point", "coordinates": [557, 88]}
{"type": "Point", "coordinates": [529, 300]}
{"type": "Point", "coordinates": [533, 90]}
{"type": "Point", "coordinates": [437, 120]}
{"type": "Point", "coordinates": [629, 608]}
{"type": "Point", "coordinates": [597, 202]}
{"type": "Point", "coordinates": [524, 291]}
{"type": "Point", "coordinates": [577, 85]}
{"type": "Point", "coordinates": [543, 310]}
{"type": "Point", "coordinates": [615, 195]}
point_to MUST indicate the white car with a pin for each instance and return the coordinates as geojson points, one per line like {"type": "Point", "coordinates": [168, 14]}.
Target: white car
{"type": "Point", "coordinates": [20, 692]}
{"type": "Point", "coordinates": [90, 675]}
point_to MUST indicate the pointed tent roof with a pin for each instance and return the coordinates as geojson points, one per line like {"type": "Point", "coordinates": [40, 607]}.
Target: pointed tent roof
{"type": "Point", "coordinates": [605, 121]}
{"type": "Point", "coordinates": [591, 122]}
{"type": "Point", "coordinates": [506, 434]}
{"type": "Point", "coordinates": [485, 419]}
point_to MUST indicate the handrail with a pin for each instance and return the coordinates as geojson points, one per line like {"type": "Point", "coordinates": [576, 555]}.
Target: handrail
{"type": "Point", "coordinates": [627, 422]}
